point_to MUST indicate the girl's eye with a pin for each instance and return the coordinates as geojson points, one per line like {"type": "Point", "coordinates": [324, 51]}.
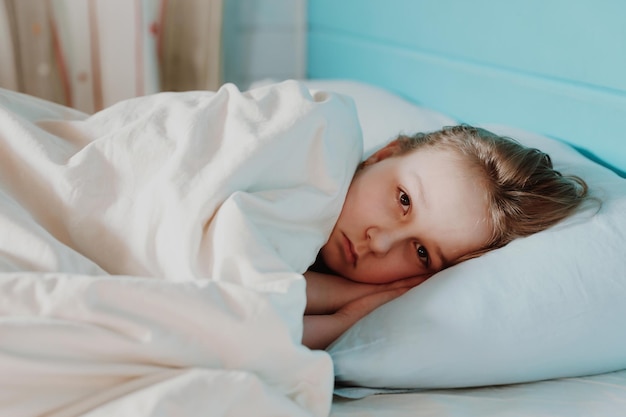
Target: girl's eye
{"type": "Point", "coordinates": [404, 199]}
{"type": "Point", "coordinates": [422, 254]}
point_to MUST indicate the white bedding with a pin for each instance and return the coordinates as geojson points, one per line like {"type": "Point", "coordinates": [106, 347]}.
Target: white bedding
{"type": "Point", "coordinates": [136, 283]}
{"type": "Point", "coordinates": [151, 254]}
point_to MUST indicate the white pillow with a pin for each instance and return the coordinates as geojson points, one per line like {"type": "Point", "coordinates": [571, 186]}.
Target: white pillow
{"type": "Point", "coordinates": [382, 114]}
{"type": "Point", "coordinates": [546, 306]}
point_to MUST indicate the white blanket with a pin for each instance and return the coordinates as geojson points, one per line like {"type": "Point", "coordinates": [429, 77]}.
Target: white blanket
{"type": "Point", "coordinates": [151, 254]}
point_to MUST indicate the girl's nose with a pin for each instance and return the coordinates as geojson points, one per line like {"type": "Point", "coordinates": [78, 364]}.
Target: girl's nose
{"type": "Point", "coordinates": [381, 240]}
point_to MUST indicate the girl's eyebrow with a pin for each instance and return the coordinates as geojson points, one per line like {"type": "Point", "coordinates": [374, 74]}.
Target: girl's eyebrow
{"type": "Point", "coordinates": [444, 261]}
{"type": "Point", "coordinates": [423, 201]}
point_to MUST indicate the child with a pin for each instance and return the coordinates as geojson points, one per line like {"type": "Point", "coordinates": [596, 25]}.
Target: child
{"type": "Point", "coordinates": [424, 203]}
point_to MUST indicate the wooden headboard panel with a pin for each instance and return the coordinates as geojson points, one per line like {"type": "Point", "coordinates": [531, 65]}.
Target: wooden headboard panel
{"type": "Point", "coordinates": [554, 67]}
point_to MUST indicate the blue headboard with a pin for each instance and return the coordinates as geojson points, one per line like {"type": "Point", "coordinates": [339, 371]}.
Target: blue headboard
{"type": "Point", "coordinates": [555, 67]}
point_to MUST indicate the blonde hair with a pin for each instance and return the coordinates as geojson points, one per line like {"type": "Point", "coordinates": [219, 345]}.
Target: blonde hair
{"type": "Point", "coordinates": [525, 193]}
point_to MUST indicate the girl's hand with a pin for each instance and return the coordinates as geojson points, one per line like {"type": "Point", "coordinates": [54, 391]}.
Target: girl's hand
{"type": "Point", "coordinates": [327, 294]}
{"type": "Point", "coordinates": [321, 330]}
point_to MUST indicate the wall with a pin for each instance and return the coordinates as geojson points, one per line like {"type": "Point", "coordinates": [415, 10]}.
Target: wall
{"type": "Point", "coordinates": [263, 39]}
{"type": "Point", "coordinates": [554, 67]}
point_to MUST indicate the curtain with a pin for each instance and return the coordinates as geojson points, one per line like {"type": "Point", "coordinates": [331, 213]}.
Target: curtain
{"type": "Point", "coordinates": [89, 54]}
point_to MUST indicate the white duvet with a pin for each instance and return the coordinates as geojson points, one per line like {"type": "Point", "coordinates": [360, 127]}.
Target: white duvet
{"type": "Point", "coordinates": [151, 254]}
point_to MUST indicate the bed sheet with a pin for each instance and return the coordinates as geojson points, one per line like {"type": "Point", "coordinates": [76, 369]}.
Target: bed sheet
{"type": "Point", "coordinates": [593, 396]}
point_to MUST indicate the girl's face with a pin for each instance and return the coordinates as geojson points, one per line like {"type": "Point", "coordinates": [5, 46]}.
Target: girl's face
{"type": "Point", "coordinates": [406, 216]}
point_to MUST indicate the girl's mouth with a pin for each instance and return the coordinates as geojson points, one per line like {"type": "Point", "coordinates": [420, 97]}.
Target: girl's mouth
{"type": "Point", "coordinates": [349, 251]}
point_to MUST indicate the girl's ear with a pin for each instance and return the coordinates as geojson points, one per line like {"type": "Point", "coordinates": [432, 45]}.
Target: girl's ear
{"type": "Point", "coordinates": [390, 149]}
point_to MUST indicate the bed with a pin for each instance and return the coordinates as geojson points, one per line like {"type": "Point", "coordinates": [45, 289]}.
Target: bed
{"type": "Point", "coordinates": [138, 279]}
